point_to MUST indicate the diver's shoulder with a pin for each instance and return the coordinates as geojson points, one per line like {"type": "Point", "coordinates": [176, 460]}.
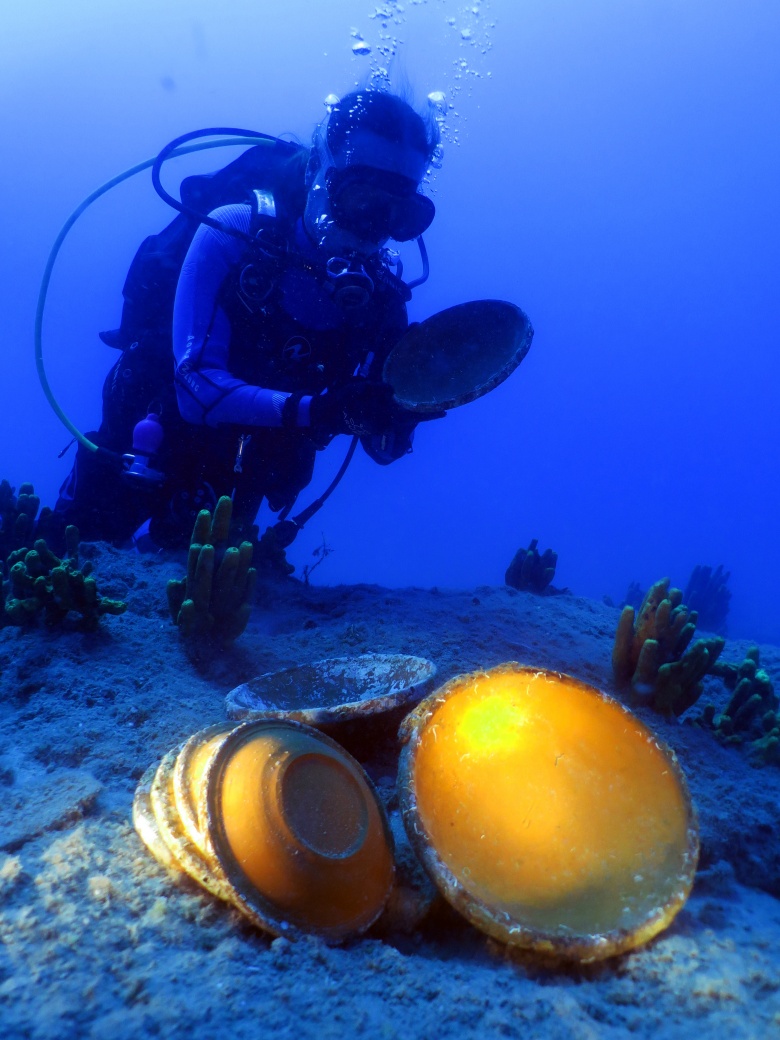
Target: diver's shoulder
{"type": "Point", "coordinates": [235, 215]}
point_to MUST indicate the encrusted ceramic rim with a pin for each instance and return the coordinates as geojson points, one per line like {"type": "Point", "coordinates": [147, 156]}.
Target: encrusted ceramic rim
{"type": "Point", "coordinates": [500, 924]}
{"type": "Point", "coordinates": [244, 896]}
{"type": "Point", "coordinates": [191, 859]}
{"type": "Point", "coordinates": [146, 825]}
{"type": "Point", "coordinates": [323, 716]}
{"type": "Point", "coordinates": [490, 384]}
{"type": "Point", "coordinates": [188, 813]}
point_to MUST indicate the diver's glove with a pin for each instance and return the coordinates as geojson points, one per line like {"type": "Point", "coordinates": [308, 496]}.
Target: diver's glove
{"type": "Point", "coordinates": [359, 407]}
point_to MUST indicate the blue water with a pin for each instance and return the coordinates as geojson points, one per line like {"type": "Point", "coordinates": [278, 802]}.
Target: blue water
{"type": "Point", "coordinates": [613, 168]}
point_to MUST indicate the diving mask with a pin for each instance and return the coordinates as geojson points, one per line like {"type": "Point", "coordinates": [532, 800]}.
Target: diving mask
{"type": "Point", "coordinates": [377, 204]}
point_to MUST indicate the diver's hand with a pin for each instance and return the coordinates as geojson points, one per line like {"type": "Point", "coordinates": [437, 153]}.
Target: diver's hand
{"type": "Point", "coordinates": [359, 407]}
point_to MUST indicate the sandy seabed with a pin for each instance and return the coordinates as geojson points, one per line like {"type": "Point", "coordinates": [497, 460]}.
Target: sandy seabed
{"type": "Point", "coordinates": [99, 940]}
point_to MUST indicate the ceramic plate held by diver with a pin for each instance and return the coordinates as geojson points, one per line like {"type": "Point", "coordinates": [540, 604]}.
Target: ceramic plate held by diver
{"type": "Point", "coordinates": [457, 355]}
{"type": "Point", "coordinates": [335, 690]}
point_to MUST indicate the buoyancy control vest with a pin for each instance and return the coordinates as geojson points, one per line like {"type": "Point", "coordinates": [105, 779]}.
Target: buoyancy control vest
{"type": "Point", "coordinates": [289, 333]}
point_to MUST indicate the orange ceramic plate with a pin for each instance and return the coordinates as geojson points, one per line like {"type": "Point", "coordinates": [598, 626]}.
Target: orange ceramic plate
{"type": "Point", "coordinates": [547, 813]}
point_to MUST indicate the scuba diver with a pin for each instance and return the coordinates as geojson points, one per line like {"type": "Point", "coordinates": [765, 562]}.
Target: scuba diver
{"type": "Point", "coordinates": [255, 328]}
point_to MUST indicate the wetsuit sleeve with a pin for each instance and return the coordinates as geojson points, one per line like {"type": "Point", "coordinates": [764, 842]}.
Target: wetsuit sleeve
{"type": "Point", "coordinates": [206, 392]}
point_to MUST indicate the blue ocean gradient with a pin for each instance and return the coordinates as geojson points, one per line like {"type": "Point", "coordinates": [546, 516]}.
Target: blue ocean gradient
{"type": "Point", "coordinates": [615, 174]}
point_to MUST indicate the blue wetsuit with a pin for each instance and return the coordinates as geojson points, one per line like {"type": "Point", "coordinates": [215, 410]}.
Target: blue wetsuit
{"type": "Point", "coordinates": [206, 391]}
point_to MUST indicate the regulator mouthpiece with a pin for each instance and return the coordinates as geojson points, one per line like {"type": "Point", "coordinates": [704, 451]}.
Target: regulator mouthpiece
{"type": "Point", "coordinates": [351, 285]}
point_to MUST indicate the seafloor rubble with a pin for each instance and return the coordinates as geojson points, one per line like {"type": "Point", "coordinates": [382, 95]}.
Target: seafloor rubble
{"type": "Point", "coordinates": [99, 940]}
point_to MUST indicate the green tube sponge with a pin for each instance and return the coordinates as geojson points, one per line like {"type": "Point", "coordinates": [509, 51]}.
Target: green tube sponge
{"type": "Point", "coordinates": [622, 649]}
{"type": "Point", "coordinates": [223, 591]}
{"type": "Point", "coordinates": [531, 570]}
{"type": "Point", "coordinates": [751, 719]}
{"type": "Point", "coordinates": [188, 620]}
{"type": "Point", "coordinates": [201, 588]}
{"type": "Point", "coordinates": [652, 652]}
{"type": "Point", "coordinates": [41, 582]}
{"type": "Point", "coordinates": [220, 525]}
{"type": "Point", "coordinates": [214, 599]}
{"type": "Point", "coordinates": [176, 591]}
{"type": "Point", "coordinates": [678, 684]}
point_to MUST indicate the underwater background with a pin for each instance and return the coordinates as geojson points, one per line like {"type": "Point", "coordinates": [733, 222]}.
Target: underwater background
{"type": "Point", "coordinates": [611, 166]}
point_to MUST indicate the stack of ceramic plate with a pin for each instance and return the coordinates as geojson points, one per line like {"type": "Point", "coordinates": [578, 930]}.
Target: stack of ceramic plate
{"type": "Point", "coordinates": [542, 809]}
{"type": "Point", "coordinates": [276, 818]}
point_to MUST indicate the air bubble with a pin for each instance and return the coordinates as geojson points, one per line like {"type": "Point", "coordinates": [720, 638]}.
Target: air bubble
{"type": "Point", "coordinates": [361, 47]}
{"type": "Point", "coordinates": [380, 78]}
{"type": "Point", "coordinates": [330, 102]}
{"type": "Point", "coordinates": [437, 158]}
